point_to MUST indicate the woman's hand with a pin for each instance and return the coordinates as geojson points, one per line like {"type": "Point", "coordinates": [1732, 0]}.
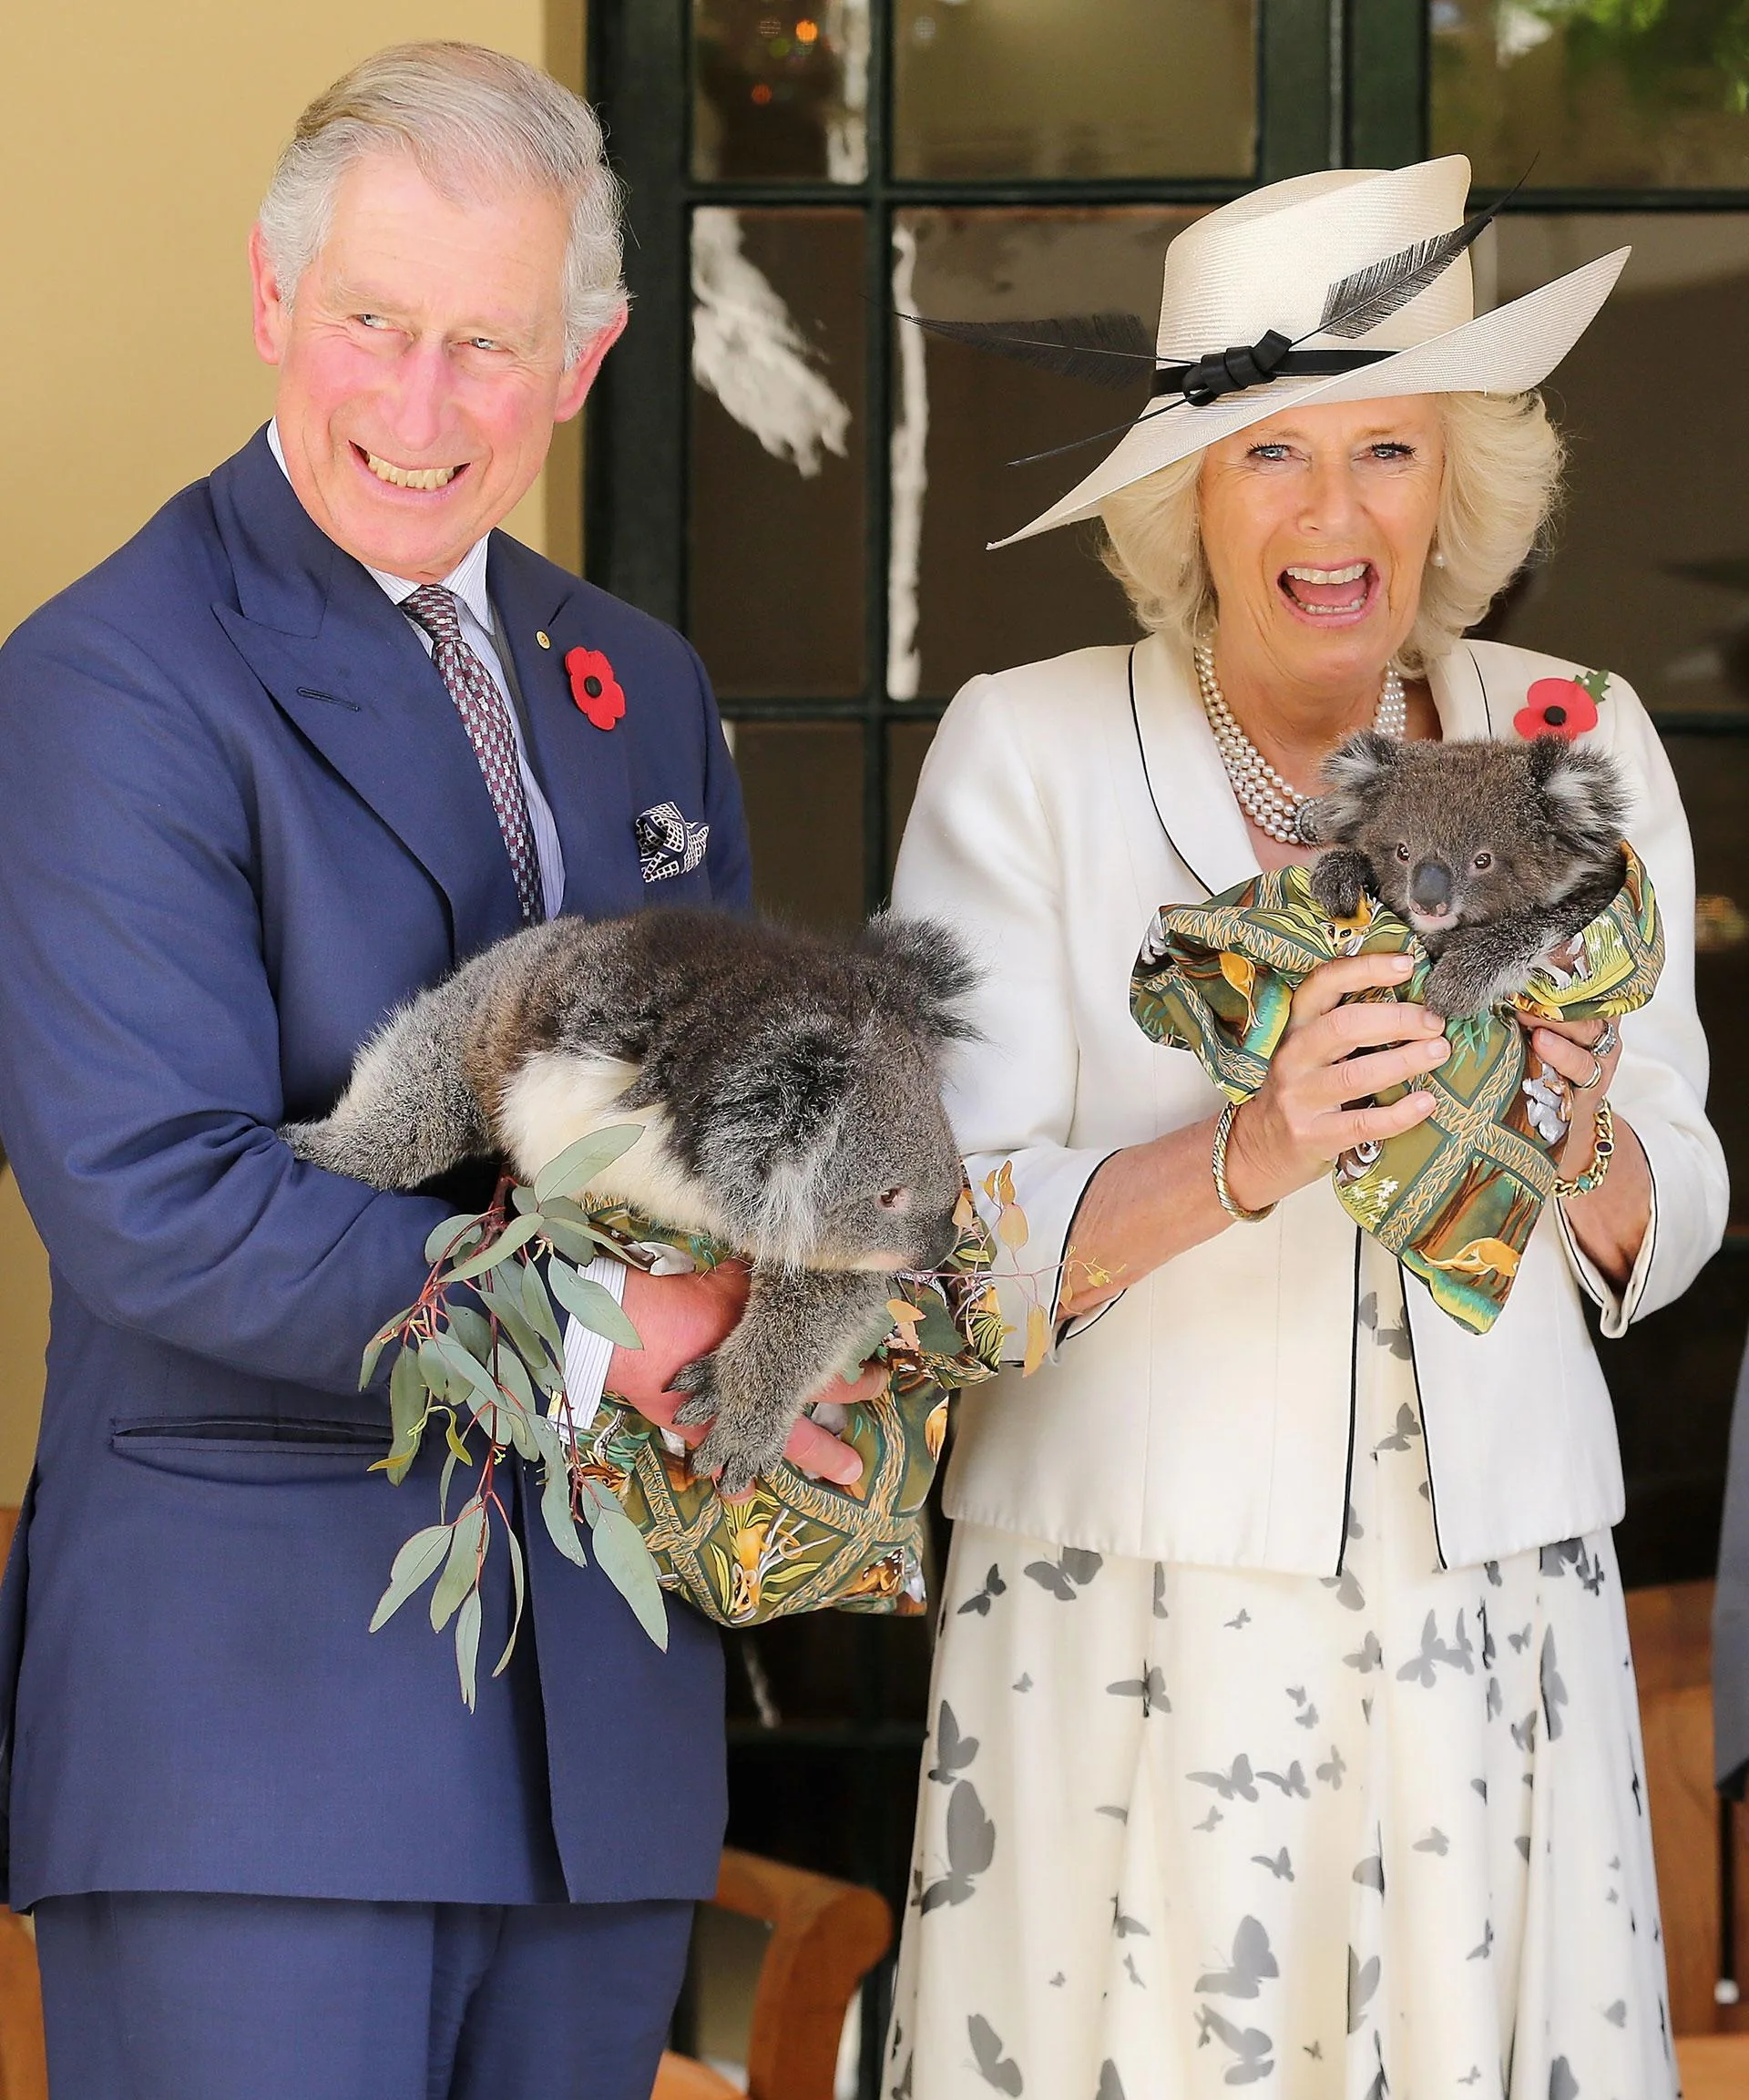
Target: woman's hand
{"type": "Point", "coordinates": [1567, 1045]}
{"type": "Point", "coordinates": [1331, 1056]}
{"type": "Point", "coordinates": [682, 1318]}
{"type": "Point", "coordinates": [1609, 1222]}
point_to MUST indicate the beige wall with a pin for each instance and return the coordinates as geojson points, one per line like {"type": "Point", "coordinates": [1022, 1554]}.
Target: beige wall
{"type": "Point", "coordinates": [136, 145]}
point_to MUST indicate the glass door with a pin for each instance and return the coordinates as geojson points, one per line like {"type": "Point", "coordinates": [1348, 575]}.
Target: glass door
{"type": "Point", "coordinates": [805, 484]}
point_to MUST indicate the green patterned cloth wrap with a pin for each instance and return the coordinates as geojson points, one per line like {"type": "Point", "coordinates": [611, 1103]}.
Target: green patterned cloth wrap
{"type": "Point", "coordinates": [797, 1544]}
{"type": "Point", "coordinates": [1456, 1197]}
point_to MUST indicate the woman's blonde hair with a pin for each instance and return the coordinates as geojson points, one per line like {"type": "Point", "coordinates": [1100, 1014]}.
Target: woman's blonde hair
{"type": "Point", "coordinates": [1502, 480]}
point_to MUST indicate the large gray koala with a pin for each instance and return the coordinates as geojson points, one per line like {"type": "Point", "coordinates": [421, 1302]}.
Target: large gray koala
{"type": "Point", "coordinates": [789, 1092]}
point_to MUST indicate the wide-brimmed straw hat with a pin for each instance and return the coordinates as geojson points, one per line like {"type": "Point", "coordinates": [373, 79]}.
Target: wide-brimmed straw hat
{"type": "Point", "coordinates": [1350, 285]}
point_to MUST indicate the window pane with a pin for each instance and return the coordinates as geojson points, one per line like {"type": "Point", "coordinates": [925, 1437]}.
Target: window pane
{"type": "Point", "coordinates": [1651, 571]}
{"type": "Point", "coordinates": [803, 790]}
{"type": "Point", "coordinates": [1595, 91]}
{"type": "Point", "coordinates": [1714, 774]}
{"type": "Point", "coordinates": [780, 89]}
{"type": "Point", "coordinates": [961, 415]}
{"type": "Point", "coordinates": [1011, 87]}
{"type": "Point", "coordinates": [775, 571]}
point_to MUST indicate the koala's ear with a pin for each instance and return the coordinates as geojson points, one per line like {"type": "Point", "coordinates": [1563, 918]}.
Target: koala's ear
{"type": "Point", "coordinates": [1354, 773]}
{"type": "Point", "coordinates": [1582, 792]}
{"type": "Point", "coordinates": [925, 972]}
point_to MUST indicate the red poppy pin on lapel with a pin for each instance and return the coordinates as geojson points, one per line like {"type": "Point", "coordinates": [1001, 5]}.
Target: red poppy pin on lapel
{"type": "Point", "coordinates": [1563, 707]}
{"type": "Point", "coordinates": [594, 687]}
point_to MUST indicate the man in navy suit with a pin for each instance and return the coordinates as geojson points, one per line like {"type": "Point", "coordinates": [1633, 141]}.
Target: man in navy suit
{"type": "Point", "coordinates": [302, 746]}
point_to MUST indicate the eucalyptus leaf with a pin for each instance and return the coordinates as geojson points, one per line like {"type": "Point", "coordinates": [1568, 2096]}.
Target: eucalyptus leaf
{"type": "Point", "coordinates": [564, 1211]}
{"type": "Point", "coordinates": [515, 1545]}
{"type": "Point", "coordinates": [580, 1243]}
{"type": "Point", "coordinates": [570, 1173]}
{"type": "Point", "coordinates": [415, 1564]}
{"type": "Point", "coordinates": [538, 1310]}
{"type": "Point", "coordinates": [502, 1249]}
{"type": "Point", "coordinates": [593, 1304]}
{"type": "Point", "coordinates": [624, 1558]}
{"type": "Point", "coordinates": [471, 1329]}
{"type": "Point", "coordinates": [523, 1200]}
{"type": "Point", "coordinates": [462, 1570]}
{"type": "Point", "coordinates": [445, 1237]}
{"type": "Point", "coordinates": [458, 1450]}
{"type": "Point", "coordinates": [555, 1511]}
{"type": "Point", "coordinates": [435, 1370]}
{"type": "Point", "coordinates": [407, 1405]}
{"type": "Point", "coordinates": [443, 1489]}
{"type": "Point", "coordinates": [513, 1376]}
{"type": "Point", "coordinates": [505, 1301]}
{"type": "Point", "coordinates": [467, 1645]}
{"type": "Point", "coordinates": [468, 1375]}
{"type": "Point", "coordinates": [378, 1342]}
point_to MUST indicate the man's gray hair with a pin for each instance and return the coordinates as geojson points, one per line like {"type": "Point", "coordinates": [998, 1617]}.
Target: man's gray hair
{"type": "Point", "coordinates": [474, 122]}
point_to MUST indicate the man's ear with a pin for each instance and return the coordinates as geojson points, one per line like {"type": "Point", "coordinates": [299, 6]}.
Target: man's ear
{"type": "Point", "coordinates": [575, 384]}
{"type": "Point", "coordinates": [273, 309]}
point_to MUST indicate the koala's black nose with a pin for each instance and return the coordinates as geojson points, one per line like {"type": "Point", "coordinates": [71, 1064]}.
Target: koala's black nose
{"type": "Point", "coordinates": [1430, 887]}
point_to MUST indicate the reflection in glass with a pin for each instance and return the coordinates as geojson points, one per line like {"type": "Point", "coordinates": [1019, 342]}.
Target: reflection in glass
{"type": "Point", "coordinates": [1597, 92]}
{"type": "Point", "coordinates": [803, 785]}
{"type": "Point", "coordinates": [1013, 87]}
{"type": "Point", "coordinates": [960, 414]}
{"type": "Point", "coordinates": [1714, 774]}
{"type": "Point", "coordinates": [775, 561]}
{"type": "Point", "coordinates": [780, 89]}
{"type": "Point", "coordinates": [1650, 575]}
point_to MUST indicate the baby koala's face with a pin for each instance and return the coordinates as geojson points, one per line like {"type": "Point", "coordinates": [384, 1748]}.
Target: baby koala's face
{"type": "Point", "coordinates": [891, 1188]}
{"type": "Point", "coordinates": [1458, 834]}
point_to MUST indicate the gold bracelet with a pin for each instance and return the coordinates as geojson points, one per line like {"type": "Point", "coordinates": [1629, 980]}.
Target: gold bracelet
{"type": "Point", "coordinates": [1602, 1153]}
{"type": "Point", "coordinates": [1223, 1131]}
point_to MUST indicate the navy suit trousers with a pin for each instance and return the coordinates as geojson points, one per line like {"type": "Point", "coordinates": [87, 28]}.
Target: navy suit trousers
{"type": "Point", "coordinates": [202, 1997]}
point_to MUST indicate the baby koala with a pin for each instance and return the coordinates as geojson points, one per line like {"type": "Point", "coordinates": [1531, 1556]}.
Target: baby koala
{"type": "Point", "coordinates": [1494, 853]}
{"type": "Point", "coordinates": [789, 1087]}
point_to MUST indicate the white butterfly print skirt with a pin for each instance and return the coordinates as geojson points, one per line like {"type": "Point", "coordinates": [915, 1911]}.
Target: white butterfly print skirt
{"type": "Point", "coordinates": [1188, 1830]}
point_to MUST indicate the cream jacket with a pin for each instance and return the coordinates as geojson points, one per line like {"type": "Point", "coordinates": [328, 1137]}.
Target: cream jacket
{"type": "Point", "coordinates": [1206, 1415]}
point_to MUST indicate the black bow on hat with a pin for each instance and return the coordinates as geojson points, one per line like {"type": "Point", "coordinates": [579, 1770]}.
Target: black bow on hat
{"type": "Point", "coordinates": [1107, 348]}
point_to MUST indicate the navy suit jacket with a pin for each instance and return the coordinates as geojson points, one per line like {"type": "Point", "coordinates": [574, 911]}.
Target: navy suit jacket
{"type": "Point", "coordinates": [242, 821]}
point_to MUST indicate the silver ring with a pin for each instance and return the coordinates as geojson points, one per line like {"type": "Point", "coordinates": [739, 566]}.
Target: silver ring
{"type": "Point", "coordinates": [1585, 1086]}
{"type": "Point", "coordinates": [1605, 1045]}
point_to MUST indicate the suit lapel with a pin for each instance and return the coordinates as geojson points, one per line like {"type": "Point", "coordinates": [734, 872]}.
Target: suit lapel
{"type": "Point", "coordinates": [584, 772]}
{"type": "Point", "coordinates": [344, 665]}
{"type": "Point", "coordinates": [1189, 784]}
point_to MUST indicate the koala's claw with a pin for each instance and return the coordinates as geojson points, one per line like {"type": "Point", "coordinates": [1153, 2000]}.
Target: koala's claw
{"type": "Point", "coordinates": [699, 1379]}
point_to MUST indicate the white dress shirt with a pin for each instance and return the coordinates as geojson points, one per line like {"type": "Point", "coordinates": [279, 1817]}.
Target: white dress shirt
{"type": "Point", "coordinates": [466, 580]}
{"type": "Point", "coordinates": [587, 1354]}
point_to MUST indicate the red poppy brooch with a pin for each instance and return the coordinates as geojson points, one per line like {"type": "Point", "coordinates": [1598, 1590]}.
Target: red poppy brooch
{"type": "Point", "coordinates": [1563, 707]}
{"type": "Point", "coordinates": [594, 687]}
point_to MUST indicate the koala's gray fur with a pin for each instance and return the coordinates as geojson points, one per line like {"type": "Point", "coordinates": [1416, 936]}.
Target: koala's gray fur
{"type": "Point", "coordinates": [1410, 821]}
{"type": "Point", "coordinates": [790, 1090]}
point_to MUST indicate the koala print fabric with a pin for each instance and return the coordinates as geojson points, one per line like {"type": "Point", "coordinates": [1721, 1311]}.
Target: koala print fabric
{"type": "Point", "coordinates": [1207, 1829]}
{"type": "Point", "coordinates": [1457, 1197]}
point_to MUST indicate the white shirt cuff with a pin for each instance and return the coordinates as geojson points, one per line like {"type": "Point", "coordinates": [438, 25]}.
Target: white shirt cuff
{"type": "Point", "coordinates": [587, 1353]}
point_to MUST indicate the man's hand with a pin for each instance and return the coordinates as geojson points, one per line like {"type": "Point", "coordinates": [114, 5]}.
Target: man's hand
{"type": "Point", "coordinates": [682, 1318]}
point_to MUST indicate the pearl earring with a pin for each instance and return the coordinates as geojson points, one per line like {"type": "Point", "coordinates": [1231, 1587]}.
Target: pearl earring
{"type": "Point", "coordinates": [1436, 558]}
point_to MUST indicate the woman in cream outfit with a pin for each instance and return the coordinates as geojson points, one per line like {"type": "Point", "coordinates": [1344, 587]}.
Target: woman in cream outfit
{"type": "Point", "coordinates": [1283, 1728]}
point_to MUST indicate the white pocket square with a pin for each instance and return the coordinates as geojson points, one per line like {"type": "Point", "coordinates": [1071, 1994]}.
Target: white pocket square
{"type": "Point", "coordinates": [667, 844]}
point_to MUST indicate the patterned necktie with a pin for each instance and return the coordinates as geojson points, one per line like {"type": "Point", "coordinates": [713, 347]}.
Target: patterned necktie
{"type": "Point", "coordinates": [486, 719]}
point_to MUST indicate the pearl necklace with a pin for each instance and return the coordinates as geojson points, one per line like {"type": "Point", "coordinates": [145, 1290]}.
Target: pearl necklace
{"type": "Point", "coordinates": [1273, 805]}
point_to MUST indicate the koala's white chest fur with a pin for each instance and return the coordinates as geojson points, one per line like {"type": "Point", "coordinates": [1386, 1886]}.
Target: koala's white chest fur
{"type": "Point", "coordinates": [557, 1097]}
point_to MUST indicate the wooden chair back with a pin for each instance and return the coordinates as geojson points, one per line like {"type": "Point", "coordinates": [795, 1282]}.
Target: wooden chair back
{"type": "Point", "coordinates": [1672, 1630]}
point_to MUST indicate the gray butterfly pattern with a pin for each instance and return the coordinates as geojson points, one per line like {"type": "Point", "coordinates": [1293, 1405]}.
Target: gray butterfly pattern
{"type": "Point", "coordinates": [1185, 1830]}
